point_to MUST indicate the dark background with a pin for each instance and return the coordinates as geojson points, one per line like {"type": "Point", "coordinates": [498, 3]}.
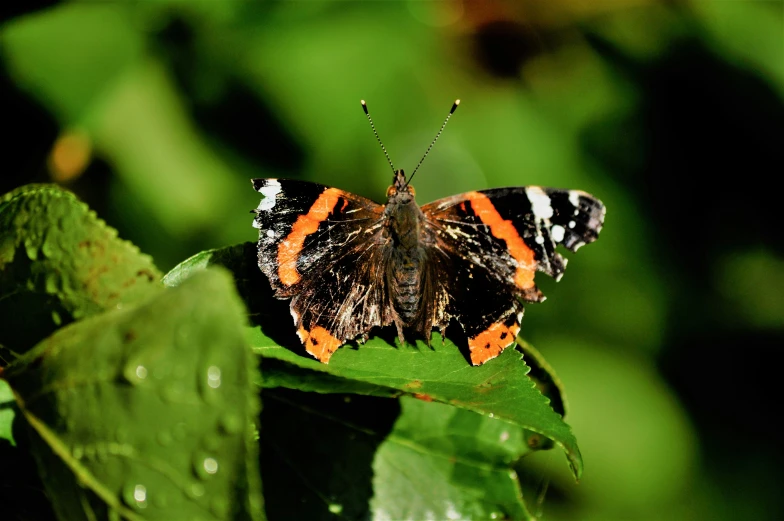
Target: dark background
{"type": "Point", "coordinates": [667, 333]}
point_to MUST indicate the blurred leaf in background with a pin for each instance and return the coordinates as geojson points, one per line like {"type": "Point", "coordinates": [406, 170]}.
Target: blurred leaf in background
{"type": "Point", "coordinates": [158, 113]}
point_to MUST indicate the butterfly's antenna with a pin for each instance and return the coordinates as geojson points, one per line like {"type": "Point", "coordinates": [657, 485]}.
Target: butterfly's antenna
{"type": "Point", "coordinates": [454, 108]}
{"type": "Point", "coordinates": [364, 107]}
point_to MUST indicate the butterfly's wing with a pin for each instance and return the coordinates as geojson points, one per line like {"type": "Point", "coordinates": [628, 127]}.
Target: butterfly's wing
{"type": "Point", "coordinates": [495, 241]}
{"type": "Point", "coordinates": [323, 248]}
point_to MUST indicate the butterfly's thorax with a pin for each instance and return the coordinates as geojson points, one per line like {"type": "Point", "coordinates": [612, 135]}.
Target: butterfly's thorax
{"type": "Point", "coordinates": [404, 221]}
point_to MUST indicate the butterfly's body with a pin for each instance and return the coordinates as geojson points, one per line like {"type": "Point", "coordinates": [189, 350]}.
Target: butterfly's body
{"type": "Point", "coordinates": [349, 264]}
{"type": "Point", "coordinates": [404, 240]}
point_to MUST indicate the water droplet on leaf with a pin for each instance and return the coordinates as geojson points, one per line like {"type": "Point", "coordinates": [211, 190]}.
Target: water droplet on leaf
{"type": "Point", "coordinates": [210, 465]}
{"type": "Point", "coordinates": [135, 495]}
{"type": "Point", "coordinates": [214, 376]}
{"type": "Point", "coordinates": [196, 490]}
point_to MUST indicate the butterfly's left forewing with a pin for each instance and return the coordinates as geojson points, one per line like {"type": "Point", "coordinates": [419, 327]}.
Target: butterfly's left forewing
{"type": "Point", "coordinates": [323, 248]}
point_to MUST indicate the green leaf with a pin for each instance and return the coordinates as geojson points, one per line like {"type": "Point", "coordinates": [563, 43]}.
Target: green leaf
{"type": "Point", "coordinates": [440, 372]}
{"type": "Point", "coordinates": [146, 412]}
{"type": "Point", "coordinates": [548, 383]}
{"type": "Point", "coordinates": [340, 456]}
{"type": "Point", "coordinates": [6, 412]}
{"type": "Point", "coordinates": [499, 388]}
{"type": "Point", "coordinates": [319, 449]}
{"type": "Point", "coordinates": [60, 263]}
{"type": "Point", "coordinates": [442, 462]}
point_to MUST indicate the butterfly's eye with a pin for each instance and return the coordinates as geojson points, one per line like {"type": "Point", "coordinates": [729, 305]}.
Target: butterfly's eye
{"type": "Point", "coordinates": [391, 191]}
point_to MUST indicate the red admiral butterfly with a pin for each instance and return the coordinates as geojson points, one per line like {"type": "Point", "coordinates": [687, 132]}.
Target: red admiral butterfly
{"type": "Point", "coordinates": [349, 264]}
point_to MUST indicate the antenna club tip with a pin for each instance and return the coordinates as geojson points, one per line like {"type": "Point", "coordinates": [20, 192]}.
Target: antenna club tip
{"type": "Point", "coordinates": [454, 107]}
{"type": "Point", "coordinates": [364, 106]}
{"type": "Point", "coordinates": [457, 102]}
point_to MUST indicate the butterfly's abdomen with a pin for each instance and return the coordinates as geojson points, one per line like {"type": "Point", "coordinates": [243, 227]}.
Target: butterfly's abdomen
{"type": "Point", "coordinates": [406, 284]}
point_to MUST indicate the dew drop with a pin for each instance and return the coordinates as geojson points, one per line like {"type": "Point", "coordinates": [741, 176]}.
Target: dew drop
{"type": "Point", "coordinates": [335, 508]}
{"type": "Point", "coordinates": [140, 495]}
{"type": "Point", "coordinates": [204, 466]}
{"type": "Point", "coordinates": [135, 495]}
{"type": "Point", "coordinates": [196, 490]}
{"type": "Point", "coordinates": [135, 373]}
{"type": "Point", "coordinates": [214, 376]}
{"type": "Point", "coordinates": [210, 465]}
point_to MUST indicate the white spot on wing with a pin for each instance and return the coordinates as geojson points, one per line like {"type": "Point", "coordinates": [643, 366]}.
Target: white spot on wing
{"type": "Point", "coordinates": [270, 233]}
{"type": "Point", "coordinates": [540, 202]}
{"type": "Point", "coordinates": [270, 192]}
{"type": "Point", "coordinates": [539, 239]}
{"type": "Point", "coordinates": [572, 224]}
{"type": "Point", "coordinates": [574, 198]}
{"type": "Point", "coordinates": [557, 233]}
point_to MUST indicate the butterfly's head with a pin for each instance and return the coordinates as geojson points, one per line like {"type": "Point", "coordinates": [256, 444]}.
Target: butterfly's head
{"type": "Point", "coordinates": [400, 190]}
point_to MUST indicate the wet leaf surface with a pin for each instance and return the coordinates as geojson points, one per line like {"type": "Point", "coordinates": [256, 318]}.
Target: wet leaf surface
{"type": "Point", "coordinates": [147, 412]}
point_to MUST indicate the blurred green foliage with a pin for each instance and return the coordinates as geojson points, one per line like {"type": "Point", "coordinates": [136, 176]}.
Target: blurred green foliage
{"type": "Point", "coordinates": [157, 114]}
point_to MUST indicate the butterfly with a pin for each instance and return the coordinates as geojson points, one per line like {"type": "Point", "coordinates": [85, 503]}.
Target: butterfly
{"type": "Point", "coordinates": [349, 264]}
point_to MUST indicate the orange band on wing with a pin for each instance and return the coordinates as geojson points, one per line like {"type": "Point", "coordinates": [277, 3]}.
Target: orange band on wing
{"type": "Point", "coordinates": [319, 343]}
{"type": "Point", "coordinates": [291, 247]}
{"type": "Point", "coordinates": [489, 343]}
{"type": "Point", "coordinates": [505, 230]}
